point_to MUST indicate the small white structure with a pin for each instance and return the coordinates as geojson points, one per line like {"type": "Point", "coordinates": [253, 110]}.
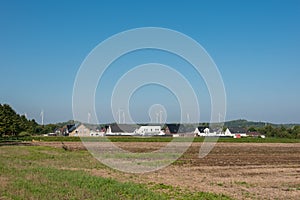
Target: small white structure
{"type": "Point", "coordinates": [236, 132]}
{"type": "Point", "coordinates": [149, 130]}
{"type": "Point", "coordinates": [206, 131]}
{"type": "Point", "coordinates": [108, 130]}
{"type": "Point", "coordinates": [199, 131]}
{"type": "Point", "coordinates": [203, 132]}
{"type": "Point", "coordinates": [217, 132]}
{"type": "Point", "coordinates": [97, 133]}
{"type": "Point", "coordinates": [228, 133]}
{"type": "Point", "coordinates": [142, 131]}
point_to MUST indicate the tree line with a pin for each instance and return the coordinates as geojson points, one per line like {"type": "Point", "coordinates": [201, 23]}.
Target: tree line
{"type": "Point", "coordinates": [13, 124]}
{"type": "Point", "coordinates": [281, 132]}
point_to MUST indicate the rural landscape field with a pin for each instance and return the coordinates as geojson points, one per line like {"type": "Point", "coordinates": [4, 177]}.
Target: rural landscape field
{"type": "Point", "coordinates": [52, 170]}
{"type": "Point", "coordinates": [149, 100]}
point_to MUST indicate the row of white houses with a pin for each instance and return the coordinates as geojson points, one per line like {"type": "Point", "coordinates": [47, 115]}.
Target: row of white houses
{"type": "Point", "coordinates": [117, 130]}
{"type": "Point", "coordinates": [174, 130]}
{"type": "Point", "coordinates": [218, 133]}
{"type": "Point", "coordinates": [141, 131]}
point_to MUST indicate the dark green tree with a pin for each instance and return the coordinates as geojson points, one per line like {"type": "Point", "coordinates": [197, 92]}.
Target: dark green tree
{"type": "Point", "coordinates": [12, 123]}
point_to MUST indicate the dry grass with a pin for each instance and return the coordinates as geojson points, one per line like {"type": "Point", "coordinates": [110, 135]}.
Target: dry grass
{"type": "Point", "coordinates": [240, 170]}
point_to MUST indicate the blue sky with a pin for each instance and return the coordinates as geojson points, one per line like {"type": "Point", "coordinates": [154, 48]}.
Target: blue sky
{"type": "Point", "coordinates": [255, 44]}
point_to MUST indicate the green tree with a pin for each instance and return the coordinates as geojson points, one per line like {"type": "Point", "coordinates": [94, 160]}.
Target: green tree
{"type": "Point", "coordinates": [252, 129]}
{"type": "Point", "coordinates": [12, 123]}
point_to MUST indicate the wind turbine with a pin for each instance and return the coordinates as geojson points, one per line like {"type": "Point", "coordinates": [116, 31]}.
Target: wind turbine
{"type": "Point", "coordinates": [89, 117]}
{"type": "Point", "coordinates": [188, 118]}
{"type": "Point", "coordinates": [42, 116]}
{"type": "Point", "coordinates": [123, 117]}
{"type": "Point", "coordinates": [220, 117]}
{"type": "Point", "coordinates": [119, 113]}
{"type": "Point", "coordinates": [160, 116]}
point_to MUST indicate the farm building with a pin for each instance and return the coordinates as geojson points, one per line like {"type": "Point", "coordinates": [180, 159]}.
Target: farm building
{"type": "Point", "coordinates": [202, 131]}
{"type": "Point", "coordinates": [80, 130]}
{"type": "Point", "coordinates": [213, 132]}
{"type": "Point", "coordinates": [121, 129]}
{"type": "Point", "coordinates": [149, 130]}
{"type": "Point", "coordinates": [128, 129]}
{"type": "Point", "coordinates": [65, 130]}
{"type": "Point", "coordinates": [236, 132]}
{"type": "Point", "coordinates": [179, 129]}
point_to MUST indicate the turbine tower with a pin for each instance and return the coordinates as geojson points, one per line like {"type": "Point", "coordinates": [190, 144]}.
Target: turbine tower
{"type": "Point", "coordinates": [157, 114]}
{"type": "Point", "coordinates": [89, 117]}
{"type": "Point", "coordinates": [42, 116]}
{"type": "Point", "coordinates": [123, 117]}
{"type": "Point", "coordinates": [220, 117]}
{"type": "Point", "coordinates": [160, 116]}
{"type": "Point", "coordinates": [119, 114]}
{"type": "Point", "coordinates": [188, 118]}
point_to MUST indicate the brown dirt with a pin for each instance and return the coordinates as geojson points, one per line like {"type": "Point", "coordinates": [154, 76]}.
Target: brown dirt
{"type": "Point", "coordinates": [239, 170]}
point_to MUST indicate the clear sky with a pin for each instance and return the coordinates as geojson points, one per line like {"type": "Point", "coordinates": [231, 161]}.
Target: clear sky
{"type": "Point", "coordinates": [255, 44]}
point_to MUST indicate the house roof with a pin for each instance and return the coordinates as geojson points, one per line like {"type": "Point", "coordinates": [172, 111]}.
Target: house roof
{"type": "Point", "coordinates": [72, 127]}
{"type": "Point", "coordinates": [201, 128]}
{"type": "Point", "coordinates": [180, 128]}
{"type": "Point", "coordinates": [122, 128]}
{"type": "Point", "coordinates": [237, 130]}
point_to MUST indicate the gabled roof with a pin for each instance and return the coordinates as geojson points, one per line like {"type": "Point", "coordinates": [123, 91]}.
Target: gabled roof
{"type": "Point", "coordinates": [186, 129]}
{"type": "Point", "coordinates": [122, 128]}
{"type": "Point", "coordinates": [201, 128]}
{"type": "Point", "coordinates": [180, 128]}
{"type": "Point", "coordinates": [71, 127]}
{"type": "Point", "coordinates": [173, 128]}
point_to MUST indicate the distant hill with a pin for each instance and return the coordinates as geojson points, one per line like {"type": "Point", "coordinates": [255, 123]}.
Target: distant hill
{"type": "Point", "coordinates": [244, 123]}
{"type": "Point", "coordinates": [247, 124]}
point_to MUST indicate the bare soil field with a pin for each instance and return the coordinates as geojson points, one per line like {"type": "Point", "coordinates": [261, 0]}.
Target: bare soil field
{"type": "Point", "coordinates": [239, 170]}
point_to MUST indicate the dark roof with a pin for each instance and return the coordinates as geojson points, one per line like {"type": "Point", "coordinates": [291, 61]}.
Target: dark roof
{"type": "Point", "coordinates": [173, 128]}
{"type": "Point", "coordinates": [122, 128]}
{"type": "Point", "coordinates": [72, 127]}
{"type": "Point", "coordinates": [201, 128]}
{"type": "Point", "coordinates": [186, 129]}
{"type": "Point", "coordinates": [237, 130]}
{"type": "Point", "coordinates": [180, 128]}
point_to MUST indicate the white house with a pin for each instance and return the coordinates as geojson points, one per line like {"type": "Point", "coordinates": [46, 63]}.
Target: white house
{"type": "Point", "coordinates": [228, 133]}
{"type": "Point", "coordinates": [199, 131]}
{"type": "Point", "coordinates": [97, 133]}
{"type": "Point", "coordinates": [236, 132]}
{"type": "Point", "coordinates": [80, 131]}
{"type": "Point", "coordinates": [204, 131]}
{"type": "Point", "coordinates": [213, 132]}
{"type": "Point", "coordinates": [149, 130]}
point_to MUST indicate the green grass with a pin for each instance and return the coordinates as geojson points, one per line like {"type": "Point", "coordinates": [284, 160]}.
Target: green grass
{"type": "Point", "coordinates": [178, 193]}
{"type": "Point", "coordinates": [153, 139]}
{"type": "Point", "coordinates": [36, 172]}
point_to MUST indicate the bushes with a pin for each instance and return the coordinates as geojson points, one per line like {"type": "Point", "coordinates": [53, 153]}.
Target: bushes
{"type": "Point", "coordinates": [281, 132]}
